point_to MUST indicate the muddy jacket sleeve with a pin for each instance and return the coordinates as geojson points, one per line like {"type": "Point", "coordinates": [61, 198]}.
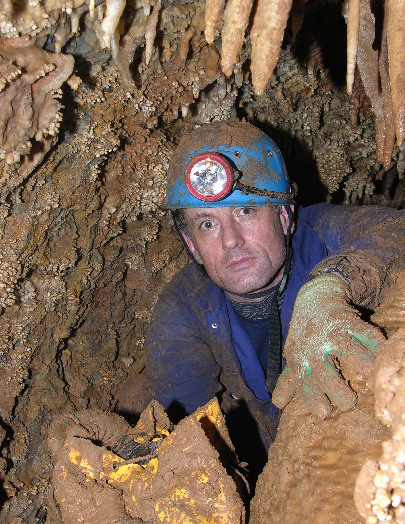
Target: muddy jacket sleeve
{"type": "Point", "coordinates": [363, 244]}
{"type": "Point", "coordinates": [181, 369]}
{"type": "Point", "coordinates": [328, 343]}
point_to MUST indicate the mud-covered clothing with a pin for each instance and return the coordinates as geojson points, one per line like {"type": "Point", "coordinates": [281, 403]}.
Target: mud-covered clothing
{"type": "Point", "coordinates": [197, 348]}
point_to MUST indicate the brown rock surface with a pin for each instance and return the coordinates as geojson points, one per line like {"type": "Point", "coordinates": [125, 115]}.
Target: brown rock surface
{"type": "Point", "coordinates": [85, 247]}
{"type": "Point", "coordinates": [349, 467]}
{"type": "Point", "coordinates": [180, 480]}
{"type": "Point", "coordinates": [313, 465]}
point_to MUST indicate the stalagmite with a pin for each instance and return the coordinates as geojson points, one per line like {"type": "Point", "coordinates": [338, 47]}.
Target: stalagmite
{"type": "Point", "coordinates": [152, 473]}
{"type": "Point", "coordinates": [267, 36]}
{"type": "Point", "coordinates": [380, 484]}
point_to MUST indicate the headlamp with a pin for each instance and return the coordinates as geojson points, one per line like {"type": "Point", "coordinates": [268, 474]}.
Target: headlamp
{"type": "Point", "coordinates": [209, 177]}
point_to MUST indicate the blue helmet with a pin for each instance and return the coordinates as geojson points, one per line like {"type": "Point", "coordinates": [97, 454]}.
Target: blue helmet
{"type": "Point", "coordinates": [227, 164]}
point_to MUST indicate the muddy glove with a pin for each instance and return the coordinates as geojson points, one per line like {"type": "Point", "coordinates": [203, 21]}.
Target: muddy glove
{"type": "Point", "coordinates": [326, 334]}
{"type": "Point", "coordinates": [110, 430]}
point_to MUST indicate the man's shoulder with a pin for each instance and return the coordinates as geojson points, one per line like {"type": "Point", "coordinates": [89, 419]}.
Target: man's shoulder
{"type": "Point", "coordinates": [190, 281]}
{"type": "Point", "coordinates": [191, 289]}
{"type": "Point", "coordinates": [312, 212]}
{"type": "Point", "coordinates": [336, 216]}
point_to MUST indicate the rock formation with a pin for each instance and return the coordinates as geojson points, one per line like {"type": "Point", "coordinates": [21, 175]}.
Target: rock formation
{"type": "Point", "coordinates": [94, 96]}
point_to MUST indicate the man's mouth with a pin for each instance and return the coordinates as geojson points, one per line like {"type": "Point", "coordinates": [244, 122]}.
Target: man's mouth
{"type": "Point", "coordinates": [240, 263]}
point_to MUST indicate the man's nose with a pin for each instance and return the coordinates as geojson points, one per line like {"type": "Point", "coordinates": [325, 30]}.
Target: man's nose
{"type": "Point", "coordinates": [232, 235]}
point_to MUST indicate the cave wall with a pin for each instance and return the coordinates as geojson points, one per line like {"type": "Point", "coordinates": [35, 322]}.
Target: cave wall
{"type": "Point", "coordinates": [92, 109]}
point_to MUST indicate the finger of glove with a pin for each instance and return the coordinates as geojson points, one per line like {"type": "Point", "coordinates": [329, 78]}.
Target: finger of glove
{"type": "Point", "coordinates": [285, 388]}
{"type": "Point", "coordinates": [367, 335]}
{"type": "Point", "coordinates": [358, 349]}
{"type": "Point", "coordinates": [315, 399]}
{"type": "Point", "coordinates": [336, 388]}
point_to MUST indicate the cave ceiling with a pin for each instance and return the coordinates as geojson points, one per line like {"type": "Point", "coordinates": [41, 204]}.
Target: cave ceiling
{"type": "Point", "coordinates": [93, 98]}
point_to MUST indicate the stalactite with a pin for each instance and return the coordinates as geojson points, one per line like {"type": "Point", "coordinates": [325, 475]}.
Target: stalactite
{"type": "Point", "coordinates": [267, 35]}
{"type": "Point", "coordinates": [396, 60]}
{"type": "Point", "coordinates": [368, 64]}
{"type": "Point", "coordinates": [236, 18]}
{"type": "Point", "coordinates": [150, 30]}
{"type": "Point", "coordinates": [110, 21]}
{"type": "Point", "coordinates": [353, 28]}
{"type": "Point", "coordinates": [212, 12]}
{"type": "Point", "coordinates": [388, 108]}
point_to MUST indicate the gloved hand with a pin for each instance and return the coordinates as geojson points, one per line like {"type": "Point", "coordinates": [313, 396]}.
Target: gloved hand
{"type": "Point", "coordinates": [325, 334]}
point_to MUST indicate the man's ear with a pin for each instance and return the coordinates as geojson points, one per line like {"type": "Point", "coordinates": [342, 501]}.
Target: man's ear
{"type": "Point", "coordinates": [191, 247]}
{"type": "Point", "coordinates": [285, 219]}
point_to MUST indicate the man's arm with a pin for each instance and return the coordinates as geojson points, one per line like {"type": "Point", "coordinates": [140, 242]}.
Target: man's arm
{"type": "Point", "coordinates": [181, 368]}
{"type": "Point", "coordinates": [363, 244]}
{"type": "Point", "coordinates": [327, 340]}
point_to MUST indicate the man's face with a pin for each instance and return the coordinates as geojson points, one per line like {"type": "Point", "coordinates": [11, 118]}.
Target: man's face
{"type": "Point", "coordinates": [241, 248]}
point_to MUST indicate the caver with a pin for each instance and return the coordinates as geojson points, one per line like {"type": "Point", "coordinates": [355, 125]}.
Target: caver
{"type": "Point", "coordinates": [270, 306]}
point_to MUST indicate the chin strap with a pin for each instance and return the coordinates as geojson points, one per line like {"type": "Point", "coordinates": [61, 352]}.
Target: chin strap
{"type": "Point", "coordinates": [274, 356]}
{"type": "Point", "coordinates": [288, 251]}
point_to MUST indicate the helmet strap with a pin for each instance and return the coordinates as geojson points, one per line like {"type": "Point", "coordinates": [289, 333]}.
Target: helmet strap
{"type": "Point", "coordinates": [247, 190]}
{"type": "Point", "coordinates": [288, 251]}
{"type": "Point", "coordinates": [274, 357]}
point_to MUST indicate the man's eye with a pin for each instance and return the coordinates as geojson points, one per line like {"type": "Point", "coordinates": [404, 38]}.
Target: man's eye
{"type": "Point", "coordinates": [246, 210]}
{"type": "Point", "coordinates": [206, 225]}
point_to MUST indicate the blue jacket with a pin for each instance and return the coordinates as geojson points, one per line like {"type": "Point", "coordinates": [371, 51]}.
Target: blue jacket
{"type": "Point", "coordinates": [196, 347]}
